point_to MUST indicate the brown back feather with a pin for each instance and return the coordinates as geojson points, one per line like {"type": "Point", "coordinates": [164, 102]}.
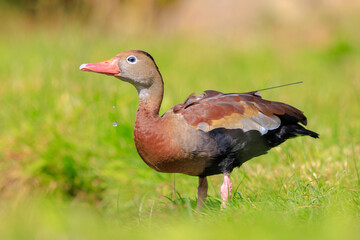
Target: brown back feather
{"type": "Point", "coordinates": [212, 105]}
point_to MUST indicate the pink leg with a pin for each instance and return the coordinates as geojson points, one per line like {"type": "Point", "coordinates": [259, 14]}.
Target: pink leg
{"type": "Point", "coordinates": [202, 192]}
{"type": "Point", "coordinates": [226, 189]}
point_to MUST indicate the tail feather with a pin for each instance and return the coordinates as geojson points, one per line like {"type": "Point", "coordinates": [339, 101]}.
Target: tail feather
{"type": "Point", "coordinates": [284, 132]}
{"type": "Point", "coordinates": [300, 130]}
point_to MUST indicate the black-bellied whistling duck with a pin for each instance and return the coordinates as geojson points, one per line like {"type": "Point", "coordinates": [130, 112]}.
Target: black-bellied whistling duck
{"type": "Point", "coordinates": [208, 134]}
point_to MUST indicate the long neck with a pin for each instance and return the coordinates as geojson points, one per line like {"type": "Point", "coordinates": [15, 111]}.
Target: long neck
{"type": "Point", "coordinates": [148, 130]}
{"type": "Point", "coordinates": [147, 118]}
{"type": "Point", "coordinates": [150, 98]}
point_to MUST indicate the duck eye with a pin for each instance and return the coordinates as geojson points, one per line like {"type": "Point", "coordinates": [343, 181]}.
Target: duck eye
{"type": "Point", "coordinates": [131, 59]}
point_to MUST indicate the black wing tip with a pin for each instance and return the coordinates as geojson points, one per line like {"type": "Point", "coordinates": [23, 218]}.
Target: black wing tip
{"type": "Point", "coordinates": [314, 134]}
{"type": "Point", "coordinates": [284, 132]}
{"type": "Point", "coordinates": [304, 131]}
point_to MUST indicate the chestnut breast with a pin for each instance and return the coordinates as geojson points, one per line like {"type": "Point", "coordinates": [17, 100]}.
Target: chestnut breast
{"type": "Point", "coordinates": [169, 144]}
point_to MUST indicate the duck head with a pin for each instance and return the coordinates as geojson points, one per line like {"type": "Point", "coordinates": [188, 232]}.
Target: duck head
{"type": "Point", "coordinates": [136, 67]}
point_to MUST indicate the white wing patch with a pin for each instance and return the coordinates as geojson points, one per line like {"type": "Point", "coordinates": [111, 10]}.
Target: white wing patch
{"type": "Point", "coordinates": [203, 126]}
{"type": "Point", "coordinates": [261, 123]}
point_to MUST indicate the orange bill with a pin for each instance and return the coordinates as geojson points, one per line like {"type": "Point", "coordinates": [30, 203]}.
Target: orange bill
{"type": "Point", "coordinates": [109, 67]}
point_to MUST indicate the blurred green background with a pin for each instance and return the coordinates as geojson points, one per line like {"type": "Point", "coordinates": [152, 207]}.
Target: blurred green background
{"type": "Point", "coordinates": [67, 173]}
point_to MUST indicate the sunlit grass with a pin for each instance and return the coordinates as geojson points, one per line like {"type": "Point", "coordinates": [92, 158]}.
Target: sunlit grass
{"type": "Point", "coordinates": [57, 142]}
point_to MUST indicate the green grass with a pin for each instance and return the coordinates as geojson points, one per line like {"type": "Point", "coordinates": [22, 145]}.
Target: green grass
{"type": "Point", "coordinates": [67, 173]}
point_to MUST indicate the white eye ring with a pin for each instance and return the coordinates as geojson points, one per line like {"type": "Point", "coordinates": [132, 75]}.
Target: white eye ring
{"type": "Point", "coordinates": [131, 59]}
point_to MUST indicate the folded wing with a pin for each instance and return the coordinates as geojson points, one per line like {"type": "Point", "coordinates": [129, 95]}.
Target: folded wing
{"type": "Point", "coordinates": [246, 111]}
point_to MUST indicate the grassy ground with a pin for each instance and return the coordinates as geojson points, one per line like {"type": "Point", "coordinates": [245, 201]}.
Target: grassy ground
{"type": "Point", "coordinates": [67, 173]}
